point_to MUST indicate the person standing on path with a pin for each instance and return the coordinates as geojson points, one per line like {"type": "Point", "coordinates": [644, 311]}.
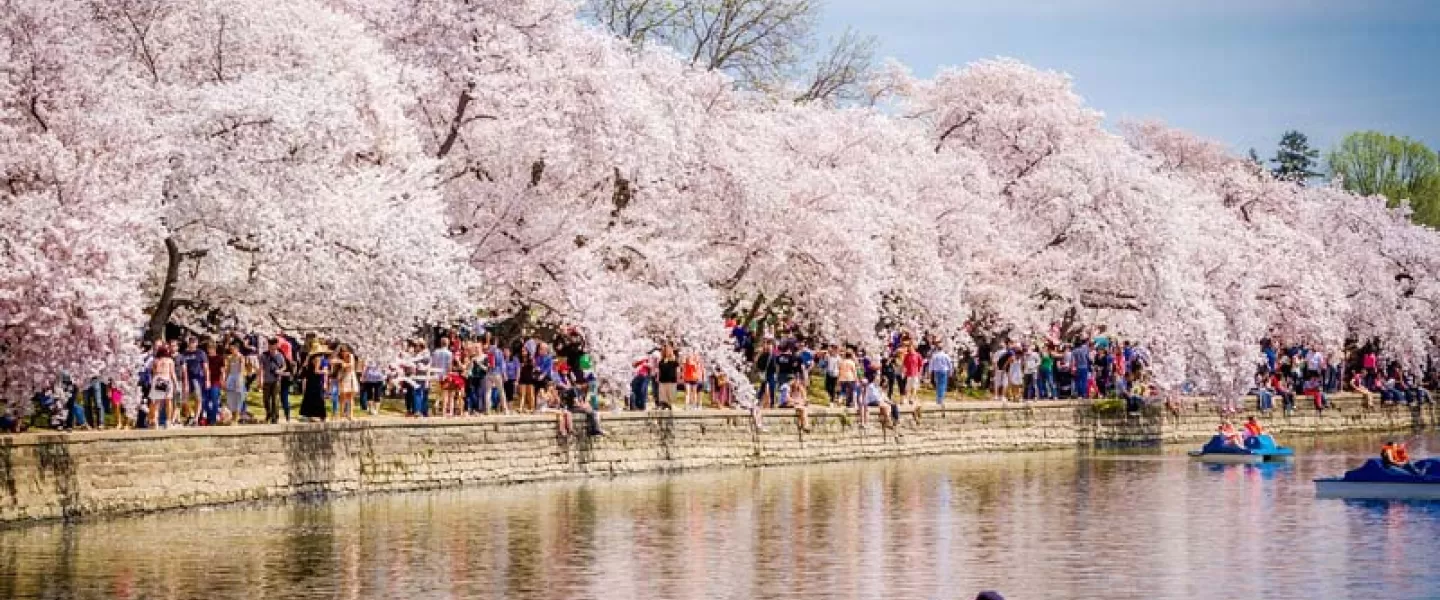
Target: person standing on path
{"type": "Point", "coordinates": [494, 379]}
{"type": "Point", "coordinates": [526, 390]}
{"type": "Point", "coordinates": [693, 374]}
{"type": "Point", "coordinates": [372, 386]}
{"type": "Point", "coordinates": [787, 367]}
{"type": "Point", "coordinates": [1047, 375]}
{"type": "Point", "coordinates": [913, 365]}
{"type": "Point", "coordinates": [234, 367]}
{"type": "Point", "coordinates": [195, 367]}
{"type": "Point", "coordinates": [512, 377]}
{"type": "Point", "coordinates": [164, 385]}
{"type": "Point", "coordinates": [476, 370]}
{"type": "Point", "coordinates": [830, 367]}
{"type": "Point", "coordinates": [669, 377]}
{"type": "Point", "coordinates": [217, 373]}
{"type": "Point", "coordinates": [315, 376]}
{"type": "Point", "coordinates": [1030, 370]}
{"type": "Point", "coordinates": [1080, 358]}
{"type": "Point", "coordinates": [766, 369]}
{"type": "Point", "coordinates": [441, 360]}
{"type": "Point", "coordinates": [640, 383]}
{"type": "Point", "coordinates": [272, 369]}
{"type": "Point", "coordinates": [848, 373]}
{"type": "Point", "coordinates": [287, 376]}
{"type": "Point", "coordinates": [349, 383]}
{"type": "Point", "coordinates": [940, 367]}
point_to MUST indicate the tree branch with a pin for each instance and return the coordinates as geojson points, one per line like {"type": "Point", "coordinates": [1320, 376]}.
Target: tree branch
{"type": "Point", "coordinates": [456, 121]}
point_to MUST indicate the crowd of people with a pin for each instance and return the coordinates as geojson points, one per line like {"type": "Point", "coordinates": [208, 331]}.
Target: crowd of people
{"type": "Point", "coordinates": [207, 381]}
{"type": "Point", "coordinates": [1014, 371]}
{"type": "Point", "coordinates": [1286, 372]}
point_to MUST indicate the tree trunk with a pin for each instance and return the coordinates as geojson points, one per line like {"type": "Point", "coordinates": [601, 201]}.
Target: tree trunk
{"type": "Point", "coordinates": [759, 328]}
{"type": "Point", "coordinates": [160, 316]}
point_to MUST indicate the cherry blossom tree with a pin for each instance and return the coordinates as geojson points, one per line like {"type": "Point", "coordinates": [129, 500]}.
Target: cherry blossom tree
{"type": "Point", "coordinates": [75, 176]}
{"type": "Point", "coordinates": [358, 167]}
{"type": "Point", "coordinates": [1324, 266]}
{"type": "Point", "coordinates": [220, 159]}
{"type": "Point", "coordinates": [297, 194]}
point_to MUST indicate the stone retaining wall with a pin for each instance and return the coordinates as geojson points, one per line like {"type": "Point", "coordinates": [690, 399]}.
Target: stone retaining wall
{"type": "Point", "coordinates": [50, 476]}
{"type": "Point", "coordinates": [1196, 420]}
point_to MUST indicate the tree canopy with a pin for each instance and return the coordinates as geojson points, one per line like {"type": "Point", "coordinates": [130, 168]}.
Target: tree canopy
{"type": "Point", "coordinates": [356, 167]}
{"type": "Point", "coordinates": [1399, 168]}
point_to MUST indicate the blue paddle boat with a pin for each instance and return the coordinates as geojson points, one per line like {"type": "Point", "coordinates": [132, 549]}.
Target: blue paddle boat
{"type": "Point", "coordinates": [1257, 449]}
{"type": "Point", "coordinates": [1374, 480]}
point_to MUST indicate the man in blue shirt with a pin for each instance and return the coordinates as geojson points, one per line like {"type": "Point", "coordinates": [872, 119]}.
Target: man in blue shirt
{"type": "Point", "coordinates": [807, 361]}
{"type": "Point", "coordinates": [197, 375]}
{"type": "Point", "coordinates": [940, 366]}
{"type": "Point", "coordinates": [785, 366]}
{"type": "Point", "coordinates": [1080, 357]}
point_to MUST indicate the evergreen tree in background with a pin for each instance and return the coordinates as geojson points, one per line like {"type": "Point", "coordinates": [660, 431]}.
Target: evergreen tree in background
{"type": "Point", "coordinates": [1255, 158]}
{"type": "Point", "coordinates": [1295, 160]}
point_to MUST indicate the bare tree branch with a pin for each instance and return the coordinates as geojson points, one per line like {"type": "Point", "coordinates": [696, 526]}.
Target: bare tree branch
{"type": "Point", "coordinates": [761, 43]}
{"type": "Point", "coordinates": [839, 72]}
{"type": "Point", "coordinates": [219, 66]}
{"type": "Point", "coordinates": [453, 133]}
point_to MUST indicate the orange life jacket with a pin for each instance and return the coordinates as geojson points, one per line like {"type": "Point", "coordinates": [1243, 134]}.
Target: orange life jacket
{"type": "Point", "coordinates": [1393, 454]}
{"type": "Point", "coordinates": [1402, 456]}
{"type": "Point", "coordinates": [1254, 429]}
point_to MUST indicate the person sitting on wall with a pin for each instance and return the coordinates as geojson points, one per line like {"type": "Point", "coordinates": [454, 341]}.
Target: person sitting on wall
{"type": "Point", "coordinates": [1396, 458]}
{"type": "Point", "coordinates": [874, 396]}
{"type": "Point", "coordinates": [1135, 399]}
{"type": "Point", "coordinates": [10, 421]}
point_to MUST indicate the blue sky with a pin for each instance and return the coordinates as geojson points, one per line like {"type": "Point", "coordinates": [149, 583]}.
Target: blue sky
{"type": "Point", "coordinates": [1240, 71]}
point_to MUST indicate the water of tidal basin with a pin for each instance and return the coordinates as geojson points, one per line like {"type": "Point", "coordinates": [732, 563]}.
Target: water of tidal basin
{"type": "Point", "coordinates": [1034, 526]}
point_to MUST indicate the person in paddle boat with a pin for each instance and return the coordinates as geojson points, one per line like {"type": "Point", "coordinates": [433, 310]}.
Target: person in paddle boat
{"type": "Point", "coordinates": [1396, 458]}
{"type": "Point", "coordinates": [1253, 428]}
{"type": "Point", "coordinates": [1232, 437]}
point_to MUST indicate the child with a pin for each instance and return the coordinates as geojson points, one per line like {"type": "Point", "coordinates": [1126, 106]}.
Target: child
{"type": "Point", "coordinates": [692, 374]}
{"type": "Point", "coordinates": [797, 400]}
{"type": "Point", "coordinates": [117, 402]}
{"type": "Point", "coordinates": [722, 391]}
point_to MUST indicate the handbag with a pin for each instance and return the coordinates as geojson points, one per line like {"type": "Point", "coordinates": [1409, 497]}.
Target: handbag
{"type": "Point", "coordinates": [160, 389]}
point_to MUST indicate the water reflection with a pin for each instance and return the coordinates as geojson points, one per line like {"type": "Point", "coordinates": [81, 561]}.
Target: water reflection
{"type": "Point", "coordinates": [1039, 526]}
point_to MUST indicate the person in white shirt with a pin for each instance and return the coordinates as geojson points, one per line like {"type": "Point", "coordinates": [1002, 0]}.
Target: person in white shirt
{"type": "Point", "coordinates": [417, 367]}
{"type": "Point", "coordinates": [441, 359]}
{"type": "Point", "coordinates": [874, 396]}
{"type": "Point", "coordinates": [1315, 361]}
{"type": "Point", "coordinates": [1030, 368]}
{"type": "Point", "coordinates": [940, 367]}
